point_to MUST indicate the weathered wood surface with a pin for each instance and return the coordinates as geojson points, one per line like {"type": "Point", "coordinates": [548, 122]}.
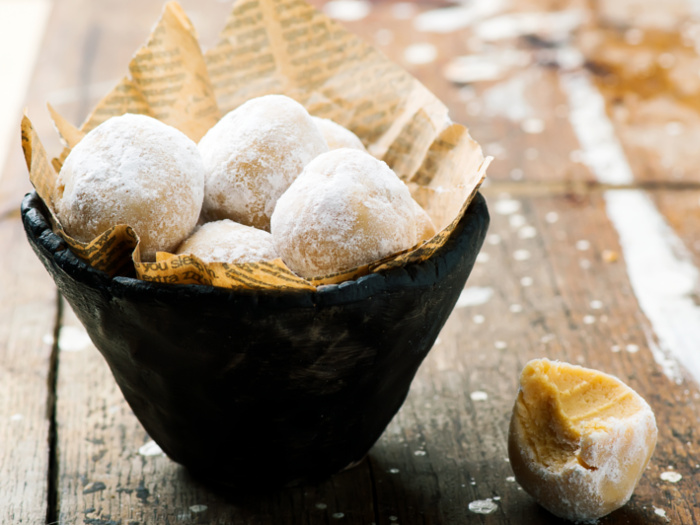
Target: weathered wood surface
{"type": "Point", "coordinates": [553, 280]}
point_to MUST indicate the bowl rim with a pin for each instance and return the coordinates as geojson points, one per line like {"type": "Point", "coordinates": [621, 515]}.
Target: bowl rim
{"type": "Point", "coordinates": [414, 274]}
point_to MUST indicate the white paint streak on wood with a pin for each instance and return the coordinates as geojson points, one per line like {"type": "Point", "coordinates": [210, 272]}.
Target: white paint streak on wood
{"type": "Point", "coordinates": [659, 266]}
{"type": "Point", "coordinates": [602, 152]}
{"type": "Point", "coordinates": [22, 24]}
{"type": "Point", "coordinates": [662, 274]}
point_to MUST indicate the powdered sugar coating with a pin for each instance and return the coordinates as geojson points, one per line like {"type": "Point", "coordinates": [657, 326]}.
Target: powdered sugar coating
{"type": "Point", "coordinates": [346, 209]}
{"type": "Point", "coordinates": [425, 229]}
{"type": "Point", "coordinates": [135, 170]}
{"type": "Point", "coordinates": [337, 136]}
{"type": "Point", "coordinates": [253, 154]}
{"type": "Point", "coordinates": [229, 242]}
{"type": "Point", "coordinates": [589, 468]}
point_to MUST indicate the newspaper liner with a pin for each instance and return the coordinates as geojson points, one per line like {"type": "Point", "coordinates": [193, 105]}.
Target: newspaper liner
{"type": "Point", "coordinates": [274, 46]}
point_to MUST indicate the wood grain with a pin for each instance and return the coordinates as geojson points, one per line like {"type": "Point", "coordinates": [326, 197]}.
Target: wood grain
{"type": "Point", "coordinates": [552, 278]}
{"type": "Point", "coordinates": [27, 320]}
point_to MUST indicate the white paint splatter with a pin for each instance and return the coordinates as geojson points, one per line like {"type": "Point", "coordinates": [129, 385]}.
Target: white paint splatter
{"type": "Point", "coordinates": [483, 257]}
{"type": "Point", "coordinates": [479, 319]}
{"type": "Point", "coordinates": [151, 448]}
{"type": "Point", "coordinates": [660, 512]}
{"type": "Point", "coordinates": [348, 10]}
{"type": "Point", "coordinates": [474, 296]}
{"type": "Point", "coordinates": [596, 304]}
{"type": "Point", "coordinates": [198, 508]}
{"type": "Point", "coordinates": [449, 19]}
{"type": "Point", "coordinates": [394, 471]}
{"type": "Point", "coordinates": [16, 417]}
{"type": "Point", "coordinates": [510, 479]}
{"type": "Point", "coordinates": [659, 266]}
{"type": "Point", "coordinates": [420, 53]}
{"type": "Point", "coordinates": [500, 345]}
{"type": "Point", "coordinates": [516, 308]}
{"type": "Point", "coordinates": [526, 281]}
{"type": "Point", "coordinates": [483, 506]}
{"type": "Point", "coordinates": [478, 395]}
{"type": "Point", "coordinates": [321, 506]}
{"type": "Point", "coordinates": [419, 453]}
{"type": "Point", "coordinates": [588, 319]}
{"type": "Point", "coordinates": [583, 245]}
{"type": "Point", "coordinates": [671, 476]}
{"type": "Point", "coordinates": [632, 349]}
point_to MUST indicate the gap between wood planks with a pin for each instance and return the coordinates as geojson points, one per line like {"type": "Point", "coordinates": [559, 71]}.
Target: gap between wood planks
{"type": "Point", "coordinates": [52, 380]}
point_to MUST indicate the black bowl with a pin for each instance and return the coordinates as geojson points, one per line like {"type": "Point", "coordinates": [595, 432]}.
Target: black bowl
{"type": "Point", "coordinates": [259, 389]}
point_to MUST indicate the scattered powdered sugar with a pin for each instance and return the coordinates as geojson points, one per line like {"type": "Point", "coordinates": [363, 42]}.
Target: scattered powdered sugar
{"type": "Point", "coordinates": [150, 448]}
{"type": "Point", "coordinates": [507, 206]}
{"type": "Point", "coordinates": [474, 296]}
{"type": "Point", "coordinates": [73, 339]}
{"type": "Point", "coordinates": [449, 19]}
{"type": "Point", "coordinates": [420, 53]}
{"type": "Point", "coordinates": [483, 506]}
{"type": "Point", "coordinates": [347, 10]}
{"type": "Point", "coordinates": [478, 395]}
{"type": "Point", "coordinates": [671, 476]}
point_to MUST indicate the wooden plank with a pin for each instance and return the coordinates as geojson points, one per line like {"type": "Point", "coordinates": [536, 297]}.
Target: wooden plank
{"type": "Point", "coordinates": [27, 319]}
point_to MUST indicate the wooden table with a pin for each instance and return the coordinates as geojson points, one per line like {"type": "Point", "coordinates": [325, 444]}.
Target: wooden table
{"type": "Point", "coordinates": [592, 112]}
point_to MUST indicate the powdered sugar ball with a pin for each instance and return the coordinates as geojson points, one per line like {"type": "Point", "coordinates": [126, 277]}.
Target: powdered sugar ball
{"type": "Point", "coordinates": [135, 170]}
{"type": "Point", "coordinates": [336, 135]}
{"type": "Point", "coordinates": [425, 229]}
{"type": "Point", "coordinates": [229, 242]}
{"type": "Point", "coordinates": [253, 154]}
{"type": "Point", "coordinates": [346, 209]}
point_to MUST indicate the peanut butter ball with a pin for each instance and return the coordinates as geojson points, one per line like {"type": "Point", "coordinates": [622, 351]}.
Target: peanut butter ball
{"type": "Point", "coordinates": [229, 242]}
{"type": "Point", "coordinates": [135, 170]}
{"type": "Point", "coordinates": [579, 439]}
{"type": "Point", "coordinates": [253, 154]}
{"type": "Point", "coordinates": [346, 209]}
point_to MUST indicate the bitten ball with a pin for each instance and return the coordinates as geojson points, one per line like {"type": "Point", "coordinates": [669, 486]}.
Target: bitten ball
{"type": "Point", "coordinates": [253, 154]}
{"type": "Point", "coordinates": [346, 209]}
{"type": "Point", "coordinates": [135, 170]}
{"type": "Point", "coordinates": [579, 439]}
